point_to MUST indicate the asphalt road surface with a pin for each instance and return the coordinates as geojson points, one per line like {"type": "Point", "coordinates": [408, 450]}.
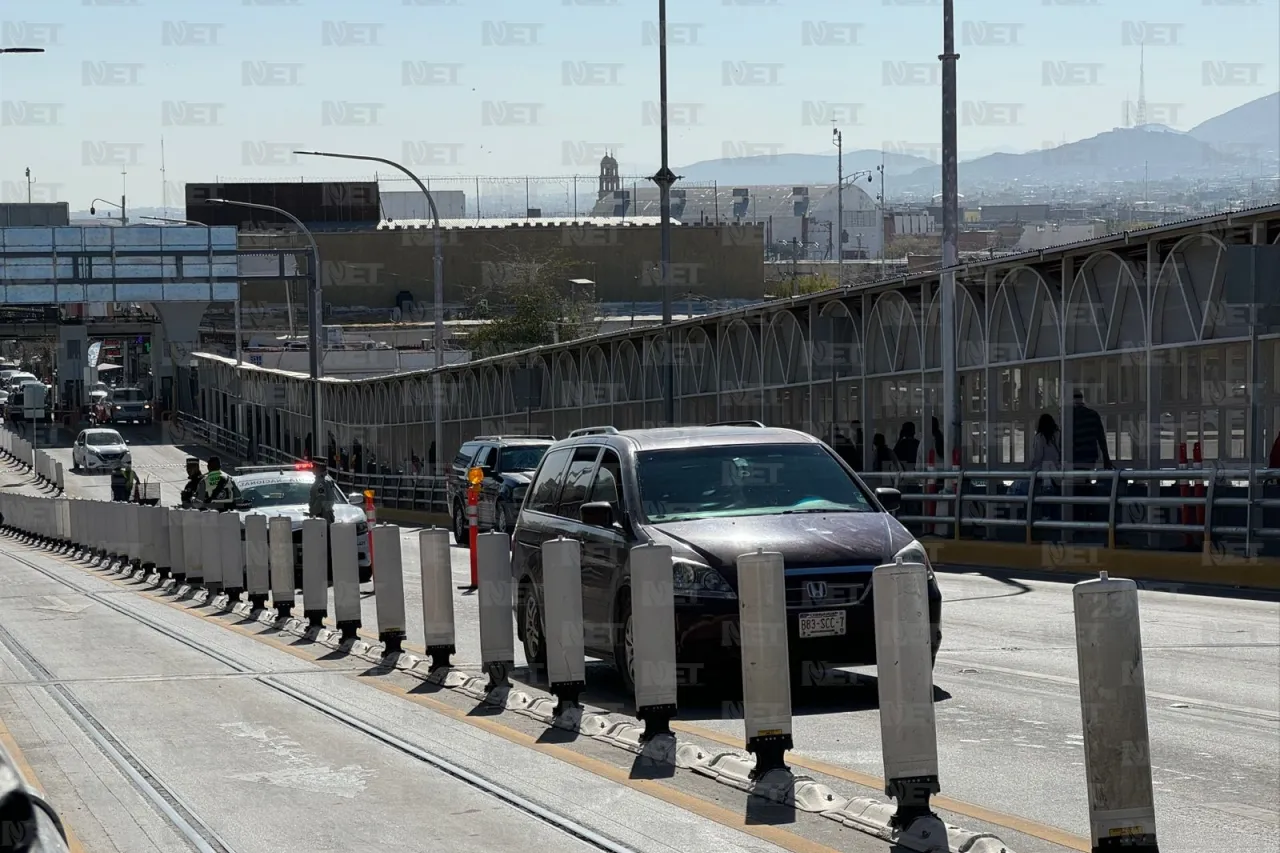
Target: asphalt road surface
{"type": "Point", "coordinates": [1008, 708]}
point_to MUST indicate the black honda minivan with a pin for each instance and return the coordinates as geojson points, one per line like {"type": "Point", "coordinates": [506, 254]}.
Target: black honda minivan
{"type": "Point", "coordinates": [712, 494]}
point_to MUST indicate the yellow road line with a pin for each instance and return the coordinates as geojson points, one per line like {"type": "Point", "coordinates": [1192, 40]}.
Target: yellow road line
{"type": "Point", "coordinates": [969, 810]}
{"type": "Point", "coordinates": [29, 774]}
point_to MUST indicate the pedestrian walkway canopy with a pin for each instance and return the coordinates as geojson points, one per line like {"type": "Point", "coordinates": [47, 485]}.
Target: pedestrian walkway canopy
{"type": "Point", "coordinates": [75, 264]}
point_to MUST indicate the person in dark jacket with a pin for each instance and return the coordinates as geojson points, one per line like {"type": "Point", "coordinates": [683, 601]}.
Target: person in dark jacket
{"type": "Point", "coordinates": [1088, 436]}
{"type": "Point", "coordinates": [908, 447]}
{"type": "Point", "coordinates": [120, 483]}
{"type": "Point", "coordinates": [193, 481]}
{"type": "Point", "coordinates": [882, 457]}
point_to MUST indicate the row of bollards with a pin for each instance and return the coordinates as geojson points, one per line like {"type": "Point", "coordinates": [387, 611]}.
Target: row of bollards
{"type": "Point", "coordinates": [217, 552]}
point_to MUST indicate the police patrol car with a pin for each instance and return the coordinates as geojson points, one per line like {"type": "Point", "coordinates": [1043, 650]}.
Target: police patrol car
{"type": "Point", "coordinates": [284, 490]}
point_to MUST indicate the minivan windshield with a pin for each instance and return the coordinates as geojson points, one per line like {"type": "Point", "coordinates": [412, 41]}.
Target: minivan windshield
{"type": "Point", "coordinates": [751, 479]}
{"type": "Point", "coordinates": [128, 395]}
{"type": "Point", "coordinates": [103, 439]}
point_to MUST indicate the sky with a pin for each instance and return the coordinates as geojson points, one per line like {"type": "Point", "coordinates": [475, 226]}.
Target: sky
{"type": "Point", "coordinates": [543, 87]}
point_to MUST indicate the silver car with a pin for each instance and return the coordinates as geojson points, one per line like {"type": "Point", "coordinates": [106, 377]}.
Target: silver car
{"type": "Point", "coordinates": [130, 405]}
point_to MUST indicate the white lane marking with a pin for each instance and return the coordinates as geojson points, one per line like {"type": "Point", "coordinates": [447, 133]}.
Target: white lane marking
{"type": "Point", "coordinates": [301, 771]}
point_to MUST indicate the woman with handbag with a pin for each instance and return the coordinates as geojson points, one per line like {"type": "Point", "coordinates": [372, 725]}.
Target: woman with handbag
{"type": "Point", "coordinates": [1046, 455]}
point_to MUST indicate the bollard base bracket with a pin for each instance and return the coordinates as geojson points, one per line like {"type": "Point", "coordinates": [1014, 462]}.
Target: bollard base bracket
{"type": "Point", "coordinates": [440, 656]}
{"type": "Point", "coordinates": [912, 796]}
{"type": "Point", "coordinates": [350, 629]}
{"type": "Point", "coordinates": [392, 642]}
{"type": "Point", "coordinates": [656, 719]}
{"type": "Point", "coordinates": [499, 673]}
{"type": "Point", "coordinates": [770, 752]}
{"type": "Point", "coordinates": [283, 611]}
{"type": "Point", "coordinates": [258, 601]}
{"type": "Point", "coordinates": [1145, 843]}
{"type": "Point", "coordinates": [567, 694]}
{"type": "Point", "coordinates": [315, 618]}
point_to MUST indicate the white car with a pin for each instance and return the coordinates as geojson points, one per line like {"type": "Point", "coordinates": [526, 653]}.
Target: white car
{"type": "Point", "coordinates": [99, 450]}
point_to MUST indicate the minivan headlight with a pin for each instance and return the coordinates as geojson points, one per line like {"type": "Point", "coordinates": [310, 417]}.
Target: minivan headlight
{"type": "Point", "coordinates": [694, 578]}
{"type": "Point", "coordinates": [915, 553]}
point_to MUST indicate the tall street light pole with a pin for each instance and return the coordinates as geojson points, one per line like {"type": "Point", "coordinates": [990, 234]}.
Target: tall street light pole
{"type": "Point", "coordinates": [664, 179]}
{"type": "Point", "coordinates": [439, 288]}
{"type": "Point", "coordinates": [838, 139]}
{"type": "Point", "coordinates": [313, 311]}
{"type": "Point", "coordinates": [950, 230]}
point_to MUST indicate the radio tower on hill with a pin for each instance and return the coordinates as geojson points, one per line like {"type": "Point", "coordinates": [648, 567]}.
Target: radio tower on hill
{"type": "Point", "coordinates": [1142, 85]}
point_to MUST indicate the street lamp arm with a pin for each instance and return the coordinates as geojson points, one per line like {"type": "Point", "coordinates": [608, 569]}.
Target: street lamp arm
{"type": "Point", "coordinates": [286, 214]}
{"type": "Point", "coordinates": [435, 213]}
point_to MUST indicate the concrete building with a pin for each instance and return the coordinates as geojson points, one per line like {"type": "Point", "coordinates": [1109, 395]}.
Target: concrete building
{"type": "Point", "coordinates": [380, 270]}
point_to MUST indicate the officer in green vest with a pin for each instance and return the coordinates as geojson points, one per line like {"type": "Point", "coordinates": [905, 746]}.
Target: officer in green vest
{"type": "Point", "coordinates": [122, 482]}
{"type": "Point", "coordinates": [215, 490]}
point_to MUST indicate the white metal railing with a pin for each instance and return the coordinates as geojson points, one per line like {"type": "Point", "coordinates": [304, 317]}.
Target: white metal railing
{"type": "Point", "coordinates": [1125, 506]}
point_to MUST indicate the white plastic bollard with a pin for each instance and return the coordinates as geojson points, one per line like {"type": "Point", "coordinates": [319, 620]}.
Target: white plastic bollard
{"type": "Point", "coordinates": [497, 633]}
{"type": "Point", "coordinates": [257, 560]}
{"type": "Point", "coordinates": [766, 662]}
{"type": "Point", "coordinates": [283, 560]}
{"type": "Point", "coordinates": [436, 569]}
{"type": "Point", "coordinates": [562, 606]}
{"type": "Point", "coordinates": [211, 550]}
{"type": "Point", "coordinates": [1113, 705]}
{"type": "Point", "coordinates": [315, 570]}
{"type": "Point", "coordinates": [132, 548]}
{"type": "Point", "coordinates": [148, 539]}
{"type": "Point", "coordinates": [193, 545]}
{"type": "Point", "coordinates": [231, 535]}
{"type": "Point", "coordinates": [388, 588]}
{"type": "Point", "coordinates": [653, 631]}
{"type": "Point", "coordinates": [904, 672]}
{"type": "Point", "coordinates": [160, 529]}
{"type": "Point", "coordinates": [177, 548]}
{"type": "Point", "coordinates": [346, 578]}
{"type": "Point", "coordinates": [59, 481]}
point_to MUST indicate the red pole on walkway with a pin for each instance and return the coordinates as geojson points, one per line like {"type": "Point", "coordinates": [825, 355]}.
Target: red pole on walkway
{"type": "Point", "coordinates": [474, 478]}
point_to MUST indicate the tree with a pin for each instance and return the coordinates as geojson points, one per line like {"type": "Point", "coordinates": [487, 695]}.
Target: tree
{"type": "Point", "coordinates": [913, 244]}
{"type": "Point", "coordinates": [528, 302]}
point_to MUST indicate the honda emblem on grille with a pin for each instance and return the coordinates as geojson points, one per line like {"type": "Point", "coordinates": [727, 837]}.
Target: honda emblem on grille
{"type": "Point", "coordinates": [817, 590]}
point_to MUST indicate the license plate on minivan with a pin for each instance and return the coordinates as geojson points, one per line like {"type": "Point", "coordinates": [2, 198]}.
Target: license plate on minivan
{"type": "Point", "coordinates": [825, 623]}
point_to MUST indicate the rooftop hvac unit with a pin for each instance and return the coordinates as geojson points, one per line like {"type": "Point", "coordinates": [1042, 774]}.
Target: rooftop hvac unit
{"type": "Point", "coordinates": [741, 192]}
{"type": "Point", "coordinates": [800, 191]}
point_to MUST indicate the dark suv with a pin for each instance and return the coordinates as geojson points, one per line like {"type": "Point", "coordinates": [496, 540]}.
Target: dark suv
{"type": "Point", "coordinates": [712, 494]}
{"type": "Point", "coordinates": [508, 463]}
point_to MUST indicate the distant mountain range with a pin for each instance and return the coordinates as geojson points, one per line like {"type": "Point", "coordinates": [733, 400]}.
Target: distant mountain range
{"type": "Point", "coordinates": [1242, 142]}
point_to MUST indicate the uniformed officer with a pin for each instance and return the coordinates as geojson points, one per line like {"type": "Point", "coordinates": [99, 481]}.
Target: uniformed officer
{"type": "Point", "coordinates": [215, 489]}
{"type": "Point", "coordinates": [320, 504]}
{"type": "Point", "coordinates": [119, 484]}
{"type": "Point", "coordinates": [193, 482]}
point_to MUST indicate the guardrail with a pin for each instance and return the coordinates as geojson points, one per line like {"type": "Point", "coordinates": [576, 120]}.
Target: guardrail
{"type": "Point", "coordinates": [1164, 509]}
{"type": "Point", "coordinates": [415, 492]}
{"type": "Point", "coordinates": [45, 468]}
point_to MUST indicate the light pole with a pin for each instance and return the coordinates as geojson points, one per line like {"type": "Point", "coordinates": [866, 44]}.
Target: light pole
{"type": "Point", "coordinates": [313, 311]}
{"type": "Point", "coordinates": [209, 228]}
{"type": "Point", "coordinates": [950, 232]}
{"type": "Point", "coordinates": [93, 210]}
{"type": "Point", "coordinates": [438, 238]}
{"type": "Point", "coordinates": [664, 179]}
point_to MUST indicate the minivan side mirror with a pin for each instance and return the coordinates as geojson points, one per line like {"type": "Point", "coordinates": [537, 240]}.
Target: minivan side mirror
{"type": "Point", "coordinates": [597, 514]}
{"type": "Point", "coordinates": [890, 499]}
{"type": "Point", "coordinates": [356, 498]}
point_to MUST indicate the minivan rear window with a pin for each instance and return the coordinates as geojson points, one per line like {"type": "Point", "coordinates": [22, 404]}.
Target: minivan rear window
{"type": "Point", "coordinates": [741, 480]}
